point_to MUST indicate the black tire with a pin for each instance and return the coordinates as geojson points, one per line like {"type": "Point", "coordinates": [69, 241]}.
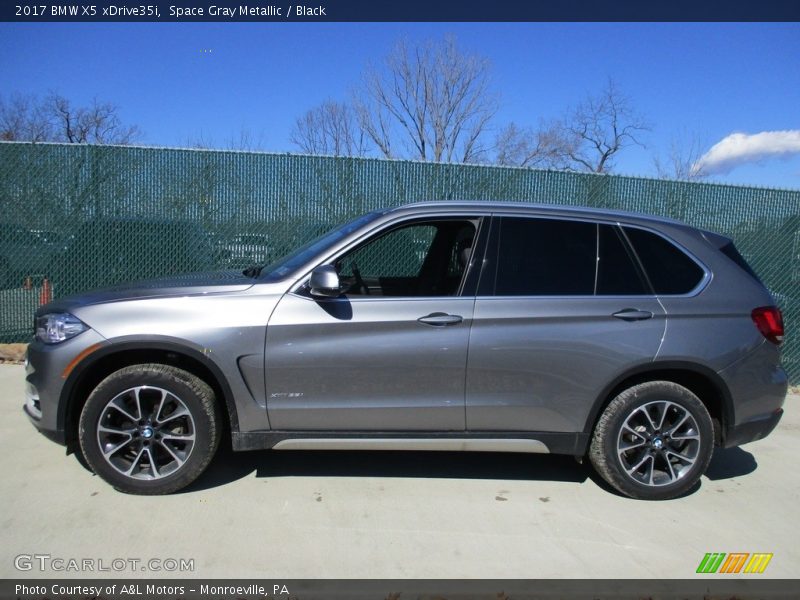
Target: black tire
{"type": "Point", "coordinates": [667, 456]}
{"type": "Point", "coordinates": [167, 445]}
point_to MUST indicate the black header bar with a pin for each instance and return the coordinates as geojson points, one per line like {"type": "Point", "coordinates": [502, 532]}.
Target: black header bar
{"type": "Point", "coordinates": [399, 10]}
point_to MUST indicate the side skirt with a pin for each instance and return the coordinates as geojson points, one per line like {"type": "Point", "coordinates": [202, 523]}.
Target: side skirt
{"type": "Point", "coordinates": [544, 442]}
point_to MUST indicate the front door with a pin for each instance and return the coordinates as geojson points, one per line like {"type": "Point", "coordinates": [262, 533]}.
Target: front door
{"type": "Point", "coordinates": [390, 353]}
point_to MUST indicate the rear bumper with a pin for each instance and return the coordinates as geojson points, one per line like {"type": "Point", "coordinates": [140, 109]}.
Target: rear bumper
{"type": "Point", "coordinates": [752, 430]}
{"type": "Point", "coordinates": [757, 384]}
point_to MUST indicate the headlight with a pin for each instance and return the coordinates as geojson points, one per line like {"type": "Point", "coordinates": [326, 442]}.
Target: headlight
{"type": "Point", "coordinates": [57, 327]}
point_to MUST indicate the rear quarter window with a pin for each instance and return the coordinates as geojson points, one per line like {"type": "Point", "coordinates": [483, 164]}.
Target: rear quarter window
{"type": "Point", "coordinates": [670, 270]}
{"type": "Point", "coordinates": [731, 252]}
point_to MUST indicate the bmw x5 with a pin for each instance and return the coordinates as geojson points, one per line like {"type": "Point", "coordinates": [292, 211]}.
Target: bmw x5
{"type": "Point", "coordinates": [638, 342]}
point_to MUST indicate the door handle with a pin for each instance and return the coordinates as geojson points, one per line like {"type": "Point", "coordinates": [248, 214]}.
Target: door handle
{"type": "Point", "coordinates": [633, 314]}
{"type": "Point", "coordinates": [439, 319]}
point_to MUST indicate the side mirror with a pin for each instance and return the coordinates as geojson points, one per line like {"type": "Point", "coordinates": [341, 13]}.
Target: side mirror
{"type": "Point", "coordinates": [325, 282]}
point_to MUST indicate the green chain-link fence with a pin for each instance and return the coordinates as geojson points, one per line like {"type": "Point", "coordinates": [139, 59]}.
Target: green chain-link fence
{"type": "Point", "coordinates": [86, 216]}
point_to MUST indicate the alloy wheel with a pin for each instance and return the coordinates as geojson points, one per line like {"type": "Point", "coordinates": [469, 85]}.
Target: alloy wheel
{"type": "Point", "coordinates": [658, 443]}
{"type": "Point", "coordinates": [146, 432]}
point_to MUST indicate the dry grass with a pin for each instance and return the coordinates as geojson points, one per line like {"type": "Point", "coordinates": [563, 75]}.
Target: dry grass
{"type": "Point", "coordinates": [13, 354]}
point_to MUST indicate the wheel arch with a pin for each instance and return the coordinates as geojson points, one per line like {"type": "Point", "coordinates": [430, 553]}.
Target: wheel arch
{"type": "Point", "coordinates": [702, 381]}
{"type": "Point", "coordinates": [108, 359]}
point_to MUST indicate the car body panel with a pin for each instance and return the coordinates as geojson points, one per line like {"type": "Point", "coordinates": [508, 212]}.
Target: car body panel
{"type": "Point", "coordinates": [190, 284]}
{"type": "Point", "coordinates": [366, 364]}
{"type": "Point", "coordinates": [45, 369]}
{"type": "Point", "coordinates": [538, 363]}
{"type": "Point", "coordinates": [758, 383]}
{"type": "Point", "coordinates": [227, 329]}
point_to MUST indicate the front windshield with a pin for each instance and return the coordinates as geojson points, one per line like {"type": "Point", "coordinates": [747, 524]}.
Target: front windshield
{"type": "Point", "coordinates": [283, 267]}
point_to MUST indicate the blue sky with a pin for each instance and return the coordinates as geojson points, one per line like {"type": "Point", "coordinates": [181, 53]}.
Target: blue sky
{"type": "Point", "coordinates": [704, 81]}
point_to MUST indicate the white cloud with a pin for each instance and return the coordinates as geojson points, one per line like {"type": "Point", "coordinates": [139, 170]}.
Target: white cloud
{"type": "Point", "coordinates": [741, 148]}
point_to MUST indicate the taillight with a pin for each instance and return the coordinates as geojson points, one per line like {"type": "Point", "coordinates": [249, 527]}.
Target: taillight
{"type": "Point", "coordinates": [769, 321]}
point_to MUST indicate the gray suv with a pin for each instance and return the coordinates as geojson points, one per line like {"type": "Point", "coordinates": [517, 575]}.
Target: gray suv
{"type": "Point", "coordinates": [639, 342]}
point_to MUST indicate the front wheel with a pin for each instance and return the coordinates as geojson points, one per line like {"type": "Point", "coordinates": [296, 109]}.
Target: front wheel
{"type": "Point", "coordinates": [653, 441]}
{"type": "Point", "coordinates": [150, 429]}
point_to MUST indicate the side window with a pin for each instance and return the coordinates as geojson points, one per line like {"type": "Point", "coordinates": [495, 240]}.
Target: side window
{"type": "Point", "coordinates": [546, 257]}
{"type": "Point", "coordinates": [426, 258]}
{"type": "Point", "coordinates": [399, 253]}
{"type": "Point", "coordinates": [617, 274]}
{"type": "Point", "coordinates": [668, 268]}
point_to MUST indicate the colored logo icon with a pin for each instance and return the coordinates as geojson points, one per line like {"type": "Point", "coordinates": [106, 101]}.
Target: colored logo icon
{"type": "Point", "coordinates": [735, 562]}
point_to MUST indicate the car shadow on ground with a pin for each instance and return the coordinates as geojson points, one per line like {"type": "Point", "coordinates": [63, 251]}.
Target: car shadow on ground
{"type": "Point", "coordinates": [229, 466]}
{"type": "Point", "coordinates": [726, 463]}
{"type": "Point", "coordinates": [730, 462]}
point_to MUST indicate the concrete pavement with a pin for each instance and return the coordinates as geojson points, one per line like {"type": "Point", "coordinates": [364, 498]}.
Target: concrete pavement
{"type": "Point", "coordinates": [390, 515]}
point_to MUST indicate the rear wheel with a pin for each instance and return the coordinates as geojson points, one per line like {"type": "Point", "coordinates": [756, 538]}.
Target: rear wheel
{"type": "Point", "coordinates": [150, 429]}
{"type": "Point", "coordinates": [653, 441]}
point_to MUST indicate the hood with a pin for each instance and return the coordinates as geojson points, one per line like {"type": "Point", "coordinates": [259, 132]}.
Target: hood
{"type": "Point", "coordinates": [189, 284]}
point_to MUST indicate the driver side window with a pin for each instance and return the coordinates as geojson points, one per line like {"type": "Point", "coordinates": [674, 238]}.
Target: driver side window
{"type": "Point", "coordinates": [422, 259]}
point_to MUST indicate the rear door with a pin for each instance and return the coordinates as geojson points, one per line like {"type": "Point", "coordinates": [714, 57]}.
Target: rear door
{"type": "Point", "coordinates": [562, 309]}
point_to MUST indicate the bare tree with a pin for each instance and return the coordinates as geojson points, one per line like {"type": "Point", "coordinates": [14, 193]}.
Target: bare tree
{"type": "Point", "coordinates": [23, 118]}
{"type": "Point", "coordinates": [597, 129]}
{"type": "Point", "coordinates": [429, 102]}
{"type": "Point", "coordinates": [56, 119]}
{"type": "Point", "coordinates": [98, 123]}
{"type": "Point", "coordinates": [245, 140]}
{"type": "Point", "coordinates": [682, 161]}
{"type": "Point", "coordinates": [330, 128]}
{"type": "Point", "coordinates": [529, 147]}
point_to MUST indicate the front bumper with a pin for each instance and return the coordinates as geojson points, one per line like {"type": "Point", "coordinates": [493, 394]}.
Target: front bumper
{"type": "Point", "coordinates": [47, 370]}
{"type": "Point", "coordinates": [56, 435]}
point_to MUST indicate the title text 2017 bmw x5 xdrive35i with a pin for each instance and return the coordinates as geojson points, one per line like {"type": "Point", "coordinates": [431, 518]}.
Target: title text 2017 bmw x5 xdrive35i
{"type": "Point", "coordinates": [640, 342]}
